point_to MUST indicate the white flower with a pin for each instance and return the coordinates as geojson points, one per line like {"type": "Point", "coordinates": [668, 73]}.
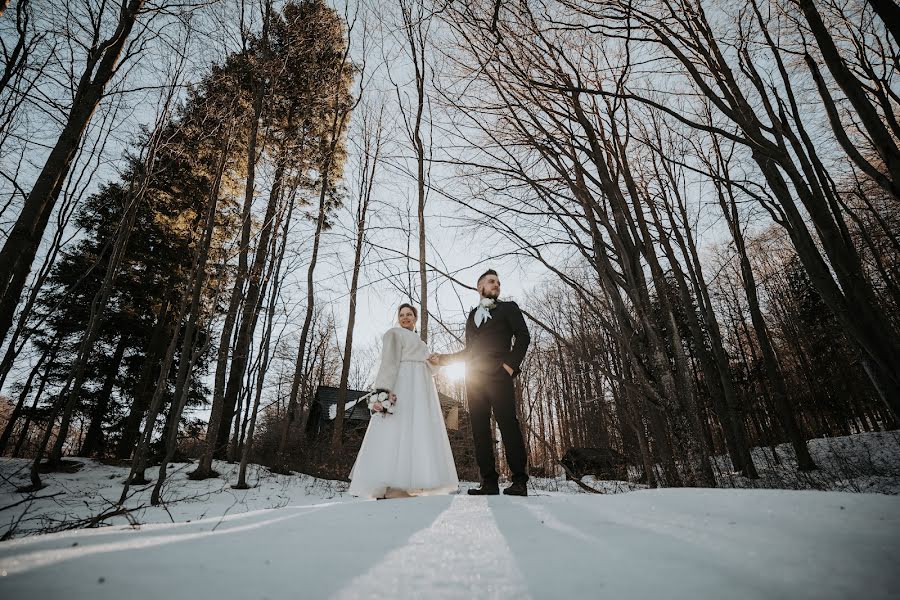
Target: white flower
{"type": "Point", "coordinates": [488, 303]}
{"type": "Point", "coordinates": [381, 402]}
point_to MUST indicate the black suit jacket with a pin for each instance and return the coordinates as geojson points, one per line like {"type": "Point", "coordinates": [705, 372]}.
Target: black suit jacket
{"type": "Point", "coordinates": [503, 338]}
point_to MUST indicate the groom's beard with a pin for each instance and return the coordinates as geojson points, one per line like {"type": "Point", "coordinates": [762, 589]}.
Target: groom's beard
{"type": "Point", "coordinates": [491, 295]}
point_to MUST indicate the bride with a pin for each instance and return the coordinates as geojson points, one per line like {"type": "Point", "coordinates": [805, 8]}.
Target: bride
{"type": "Point", "coordinates": [405, 453]}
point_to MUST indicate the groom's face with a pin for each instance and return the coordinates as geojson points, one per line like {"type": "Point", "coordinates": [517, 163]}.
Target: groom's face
{"type": "Point", "coordinates": [489, 287]}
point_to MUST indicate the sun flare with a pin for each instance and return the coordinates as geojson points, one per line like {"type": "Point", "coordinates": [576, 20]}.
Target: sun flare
{"type": "Point", "coordinates": [455, 371]}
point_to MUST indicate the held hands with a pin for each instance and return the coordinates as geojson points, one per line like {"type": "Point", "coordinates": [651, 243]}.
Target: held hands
{"type": "Point", "coordinates": [437, 361]}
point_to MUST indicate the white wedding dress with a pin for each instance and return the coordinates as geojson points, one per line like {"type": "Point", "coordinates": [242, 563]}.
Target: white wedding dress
{"type": "Point", "coordinates": [407, 450]}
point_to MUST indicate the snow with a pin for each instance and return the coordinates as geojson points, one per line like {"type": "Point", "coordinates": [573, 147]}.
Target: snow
{"type": "Point", "coordinates": [302, 537]}
{"type": "Point", "coordinates": [868, 462]}
{"type": "Point", "coordinates": [332, 410]}
{"type": "Point", "coordinates": [96, 487]}
{"type": "Point", "coordinates": [672, 543]}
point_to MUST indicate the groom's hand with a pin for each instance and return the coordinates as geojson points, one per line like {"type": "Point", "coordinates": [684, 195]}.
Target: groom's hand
{"type": "Point", "coordinates": [508, 368]}
{"type": "Point", "coordinates": [435, 359]}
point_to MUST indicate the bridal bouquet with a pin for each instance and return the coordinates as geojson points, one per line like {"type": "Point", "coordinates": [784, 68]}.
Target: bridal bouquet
{"type": "Point", "coordinates": [380, 401]}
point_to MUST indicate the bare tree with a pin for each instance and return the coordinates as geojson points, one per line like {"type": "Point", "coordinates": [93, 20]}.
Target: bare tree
{"type": "Point", "coordinates": [416, 25]}
{"type": "Point", "coordinates": [340, 107]}
{"type": "Point", "coordinates": [370, 134]}
{"type": "Point", "coordinates": [275, 279]}
{"type": "Point", "coordinates": [104, 59]}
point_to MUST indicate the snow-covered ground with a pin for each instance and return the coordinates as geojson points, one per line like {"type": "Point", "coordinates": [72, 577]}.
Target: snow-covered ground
{"type": "Point", "coordinates": [70, 498]}
{"type": "Point", "coordinates": [869, 462]}
{"type": "Point", "coordinates": [674, 543]}
{"type": "Point", "coordinates": [301, 537]}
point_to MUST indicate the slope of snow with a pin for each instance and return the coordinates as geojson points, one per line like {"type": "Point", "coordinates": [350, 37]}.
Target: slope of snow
{"type": "Point", "coordinates": [868, 462]}
{"type": "Point", "coordinates": [69, 498]}
{"type": "Point", "coordinates": [302, 537]}
{"type": "Point", "coordinates": [674, 543]}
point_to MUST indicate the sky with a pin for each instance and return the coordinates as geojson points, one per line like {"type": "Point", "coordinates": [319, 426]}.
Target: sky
{"type": "Point", "coordinates": [454, 244]}
{"type": "Point", "coordinates": [456, 247]}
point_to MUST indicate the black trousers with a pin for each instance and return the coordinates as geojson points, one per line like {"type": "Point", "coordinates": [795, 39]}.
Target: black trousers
{"type": "Point", "coordinates": [494, 391]}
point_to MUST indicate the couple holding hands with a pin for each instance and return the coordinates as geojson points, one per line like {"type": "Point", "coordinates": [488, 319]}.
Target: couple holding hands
{"type": "Point", "coordinates": [406, 452]}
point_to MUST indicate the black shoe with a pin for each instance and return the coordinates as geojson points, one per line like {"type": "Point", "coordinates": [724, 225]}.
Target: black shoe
{"type": "Point", "coordinates": [517, 489]}
{"type": "Point", "coordinates": [485, 490]}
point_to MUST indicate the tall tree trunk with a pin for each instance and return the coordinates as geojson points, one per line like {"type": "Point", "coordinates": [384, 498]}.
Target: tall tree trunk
{"type": "Point", "coordinates": [50, 352]}
{"type": "Point", "coordinates": [774, 378]}
{"type": "Point", "coordinates": [217, 419]}
{"type": "Point", "coordinates": [153, 355]}
{"type": "Point", "coordinates": [275, 277]}
{"type": "Point", "coordinates": [714, 360]}
{"type": "Point", "coordinates": [142, 451]}
{"type": "Point", "coordinates": [371, 157]}
{"type": "Point", "coordinates": [93, 439]}
{"type": "Point", "coordinates": [889, 12]}
{"type": "Point", "coordinates": [37, 398]}
{"type": "Point", "coordinates": [190, 354]}
{"type": "Point", "coordinates": [250, 315]}
{"type": "Point", "coordinates": [25, 237]}
{"type": "Point", "coordinates": [874, 125]}
{"type": "Point", "coordinates": [337, 128]}
{"type": "Point", "coordinates": [12, 352]}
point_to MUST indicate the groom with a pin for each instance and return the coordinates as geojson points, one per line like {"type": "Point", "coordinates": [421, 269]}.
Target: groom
{"type": "Point", "coordinates": [492, 361]}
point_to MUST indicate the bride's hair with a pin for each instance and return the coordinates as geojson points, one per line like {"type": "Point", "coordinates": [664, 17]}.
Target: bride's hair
{"type": "Point", "coordinates": [410, 307]}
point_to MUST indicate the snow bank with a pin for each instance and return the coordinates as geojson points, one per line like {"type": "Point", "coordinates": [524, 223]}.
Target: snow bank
{"type": "Point", "coordinates": [70, 498]}
{"type": "Point", "coordinates": [868, 462]}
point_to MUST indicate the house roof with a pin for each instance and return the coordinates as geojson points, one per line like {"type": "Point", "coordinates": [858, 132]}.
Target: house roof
{"type": "Point", "coordinates": [327, 397]}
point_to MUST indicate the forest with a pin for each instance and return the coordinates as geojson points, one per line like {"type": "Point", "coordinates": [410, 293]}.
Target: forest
{"type": "Point", "coordinates": [212, 208]}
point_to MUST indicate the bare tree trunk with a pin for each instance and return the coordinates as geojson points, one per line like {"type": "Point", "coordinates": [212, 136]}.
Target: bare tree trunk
{"type": "Point", "coordinates": [250, 315]}
{"type": "Point", "coordinates": [22, 243]}
{"type": "Point", "coordinates": [217, 418]}
{"type": "Point", "coordinates": [890, 15]}
{"type": "Point", "coordinates": [50, 352]}
{"type": "Point", "coordinates": [37, 398]}
{"type": "Point", "coordinates": [416, 27]}
{"type": "Point", "coordinates": [93, 438]}
{"type": "Point", "coordinates": [141, 453]}
{"type": "Point", "coordinates": [275, 277]}
{"type": "Point", "coordinates": [153, 355]}
{"type": "Point", "coordinates": [12, 352]}
{"type": "Point", "coordinates": [371, 157]}
{"type": "Point", "coordinates": [881, 137]}
{"type": "Point", "coordinates": [714, 361]}
{"type": "Point", "coordinates": [340, 117]}
{"type": "Point", "coordinates": [774, 377]}
{"type": "Point", "coordinates": [190, 354]}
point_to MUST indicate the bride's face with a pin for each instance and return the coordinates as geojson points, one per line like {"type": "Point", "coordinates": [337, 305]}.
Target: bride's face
{"type": "Point", "coordinates": [407, 318]}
